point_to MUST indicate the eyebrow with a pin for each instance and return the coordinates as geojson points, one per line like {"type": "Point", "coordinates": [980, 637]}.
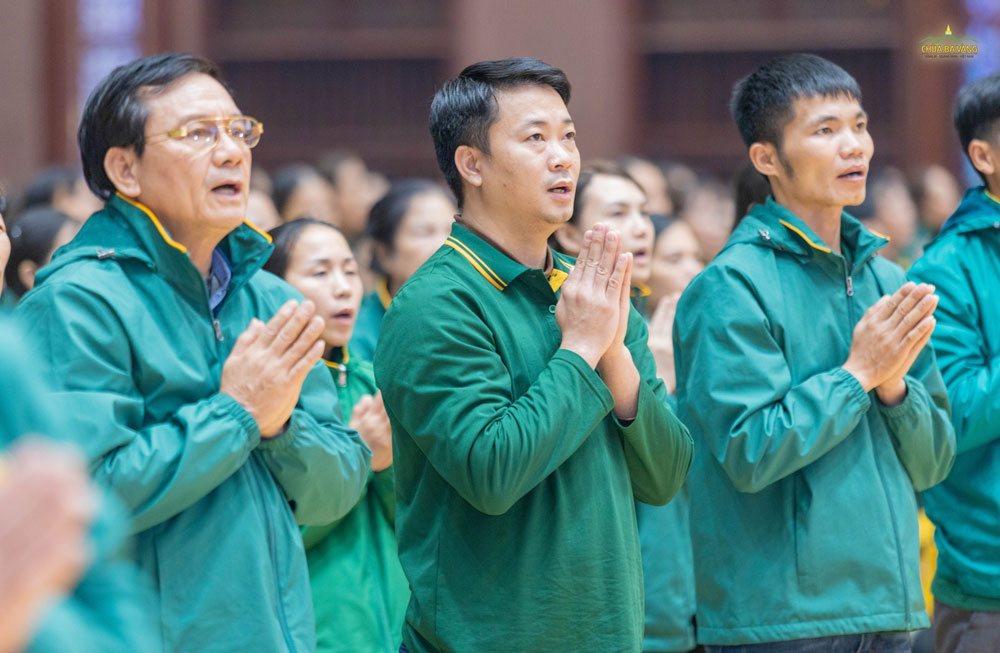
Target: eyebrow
{"type": "Point", "coordinates": [829, 117]}
{"type": "Point", "coordinates": [328, 260]}
{"type": "Point", "coordinates": [542, 123]}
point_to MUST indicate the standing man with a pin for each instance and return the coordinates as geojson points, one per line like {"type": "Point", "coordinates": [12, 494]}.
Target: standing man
{"type": "Point", "coordinates": [964, 262]}
{"type": "Point", "coordinates": [517, 463]}
{"type": "Point", "coordinates": [815, 407]}
{"type": "Point", "coordinates": [193, 374]}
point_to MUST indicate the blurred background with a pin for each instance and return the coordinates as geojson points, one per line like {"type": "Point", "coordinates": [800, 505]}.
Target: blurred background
{"type": "Point", "coordinates": [352, 80]}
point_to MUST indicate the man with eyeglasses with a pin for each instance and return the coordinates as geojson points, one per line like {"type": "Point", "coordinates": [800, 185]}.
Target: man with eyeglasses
{"type": "Point", "coordinates": [193, 373]}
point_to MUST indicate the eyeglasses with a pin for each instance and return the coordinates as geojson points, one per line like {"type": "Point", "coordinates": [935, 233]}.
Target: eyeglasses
{"type": "Point", "coordinates": [203, 133]}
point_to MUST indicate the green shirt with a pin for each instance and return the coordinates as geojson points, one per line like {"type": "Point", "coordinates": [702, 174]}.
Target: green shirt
{"type": "Point", "coordinates": [514, 481]}
{"type": "Point", "coordinates": [369, 322]}
{"type": "Point", "coordinates": [358, 588]}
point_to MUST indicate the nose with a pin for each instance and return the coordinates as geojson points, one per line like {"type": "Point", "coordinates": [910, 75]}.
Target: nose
{"type": "Point", "coordinates": [229, 150]}
{"type": "Point", "coordinates": [341, 285]}
{"type": "Point", "coordinates": [853, 143]}
{"type": "Point", "coordinates": [562, 156]}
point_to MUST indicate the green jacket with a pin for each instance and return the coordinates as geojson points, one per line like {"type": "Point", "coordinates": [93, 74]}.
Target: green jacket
{"type": "Point", "coordinates": [358, 586]}
{"type": "Point", "coordinates": [514, 481]}
{"type": "Point", "coordinates": [803, 512]}
{"type": "Point", "coordinates": [667, 572]}
{"type": "Point", "coordinates": [122, 319]}
{"type": "Point", "coordinates": [964, 263]}
{"type": "Point", "coordinates": [369, 322]}
{"type": "Point", "coordinates": [108, 609]}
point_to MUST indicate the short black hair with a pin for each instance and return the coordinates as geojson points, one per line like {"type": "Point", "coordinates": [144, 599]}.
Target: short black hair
{"type": "Point", "coordinates": [115, 114]}
{"type": "Point", "coordinates": [284, 238]}
{"type": "Point", "coordinates": [286, 181]}
{"type": "Point", "coordinates": [762, 102]}
{"type": "Point", "coordinates": [32, 235]}
{"type": "Point", "coordinates": [43, 188]}
{"type": "Point", "coordinates": [977, 111]}
{"type": "Point", "coordinates": [465, 108]}
{"type": "Point", "coordinates": [387, 214]}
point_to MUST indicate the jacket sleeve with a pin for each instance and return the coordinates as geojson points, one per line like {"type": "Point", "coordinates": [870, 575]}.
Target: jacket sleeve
{"type": "Point", "coordinates": [445, 384]}
{"type": "Point", "coordinates": [321, 465]}
{"type": "Point", "coordinates": [157, 469]}
{"type": "Point", "coordinates": [735, 389]}
{"type": "Point", "coordinates": [970, 372]}
{"type": "Point", "coordinates": [658, 447]}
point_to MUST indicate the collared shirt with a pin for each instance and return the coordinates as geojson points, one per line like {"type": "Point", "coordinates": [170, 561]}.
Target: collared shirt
{"type": "Point", "coordinates": [515, 482]}
{"type": "Point", "coordinates": [218, 279]}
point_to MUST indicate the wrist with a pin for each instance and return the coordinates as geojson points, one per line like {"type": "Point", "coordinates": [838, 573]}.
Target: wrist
{"type": "Point", "coordinates": [861, 377]}
{"type": "Point", "coordinates": [892, 393]}
{"type": "Point", "coordinates": [589, 354]}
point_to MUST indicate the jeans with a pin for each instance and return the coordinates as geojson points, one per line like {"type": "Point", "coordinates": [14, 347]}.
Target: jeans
{"type": "Point", "coordinates": [965, 631]}
{"type": "Point", "coordinates": [864, 643]}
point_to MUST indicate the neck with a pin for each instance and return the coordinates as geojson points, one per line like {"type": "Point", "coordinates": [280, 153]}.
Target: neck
{"type": "Point", "coordinates": [823, 220]}
{"type": "Point", "coordinates": [519, 241]}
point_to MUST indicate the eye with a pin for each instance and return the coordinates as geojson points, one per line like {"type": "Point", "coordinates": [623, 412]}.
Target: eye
{"type": "Point", "coordinates": [201, 132]}
{"type": "Point", "coordinates": [862, 126]}
{"type": "Point", "coordinates": [570, 136]}
{"type": "Point", "coordinates": [319, 273]}
{"type": "Point", "coordinates": [824, 130]}
{"type": "Point", "coordinates": [535, 137]}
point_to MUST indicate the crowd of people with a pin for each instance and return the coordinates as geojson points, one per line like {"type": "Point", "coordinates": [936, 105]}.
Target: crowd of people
{"type": "Point", "coordinates": [550, 404]}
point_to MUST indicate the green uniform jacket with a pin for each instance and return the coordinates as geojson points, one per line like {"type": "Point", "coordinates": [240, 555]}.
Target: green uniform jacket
{"type": "Point", "coordinates": [803, 511]}
{"type": "Point", "coordinates": [964, 263]}
{"type": "Point", "coordinates": [369, 322]}
{"type": "Point", "coordinates": [358, 586]}
{"type": "Point", "coordinates": [123, 322]}
{"type": "Point", "coordinates": [667, 573]}
{"type": "Point", "coordinates": [109, 608]}
{"type": "Point", "coordinates": [514, 482]}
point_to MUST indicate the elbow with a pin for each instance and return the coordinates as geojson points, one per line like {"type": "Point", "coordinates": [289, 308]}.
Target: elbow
{"type": "Point", "coordinates": [493, 503]}
{"type": "Point", "coordinates": [748, 481]}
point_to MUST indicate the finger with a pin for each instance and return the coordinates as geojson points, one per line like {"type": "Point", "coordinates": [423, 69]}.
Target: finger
{"type": "Point", "coordinates": [309, 335]}
{"type": "Point", "coordinates": [249, 336]}
{"type": "Point", "coordinates": [294, 327]}
{"type": "Point", "coordinates": [909, 301]}
{"type": "Point", "coordinates": [920, 332]}
{"type": "Point", "coordinates": [661, 317]}
{"type": "Point", "coordinates": [916, 314]}
{"type": "Point", "coordinates": [608, 261]}
{"type": "Point", "coordinates": [301, 368]}
{"type": "Point", "coordinates": [276, 323]}
{"type": "Point", "coordinates": [615, 282]}
{"type": "Point", "coordinates": [594, 255]}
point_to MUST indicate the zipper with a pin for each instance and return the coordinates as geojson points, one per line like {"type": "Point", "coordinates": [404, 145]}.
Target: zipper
{"type": "Point", "coordinates": [282, 619]}
{"type": "Point", "coordinates": [850, 286]}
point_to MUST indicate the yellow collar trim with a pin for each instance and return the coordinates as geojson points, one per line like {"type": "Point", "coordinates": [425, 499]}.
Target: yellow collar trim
{"type": "Point", "coordinates": [641, 290]}
{"type": "Point", "coordinates": [557, 278]}
{"type": "Point", "coordinates": [992, 197]}
{"type": "Point", "coordinates": [258, 230]}
{"type": "Point", "coordinates": [346, 358]}
{"type": "Point", "coordinates": [382, 291]}
{"type": "Point", "coordinates": [806, 238]}
{"type": "Point", "coordinates": [878, 234]}
{"type": "Point", "coordinates": [476, 262]}
{"type": "Point", "coordinates": [156, 223]}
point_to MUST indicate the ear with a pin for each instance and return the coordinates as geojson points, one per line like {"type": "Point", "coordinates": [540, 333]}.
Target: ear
{"type": "Point", "coordinates": [764, 157]}
{"type": "Point", "coordinates": [468, 160]}
{"type": "Point", "coordinates": [26, 273]}
{"type": "Point", "coordinates": [983, 157]}
{"type": "Point", "coordinates": [569, 238]}
{"type": "Point", "coordinates": [120, 165]}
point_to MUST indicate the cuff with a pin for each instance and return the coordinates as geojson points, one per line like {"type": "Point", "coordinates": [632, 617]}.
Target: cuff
{"type": "Point", "coordinates": [902, 408]}
{"type": "Point", "coordinates": [231, 408]}
{"type": "Point", "coordinates": [856, 391]}
{"type": "Point", "coordinates": [284, 439]}
{"type": "Point", "coordinates": [590, 377]}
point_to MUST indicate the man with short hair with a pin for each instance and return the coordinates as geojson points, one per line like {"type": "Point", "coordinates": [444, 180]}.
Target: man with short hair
{"type": "Point", "coordinates": [815, 406]}
{"type": "Point", "coordinates": [193, 374]}
{"type": "Point", "coordinates": [964, 263]}
{"type": "Point", "coordinates": [517, 463]}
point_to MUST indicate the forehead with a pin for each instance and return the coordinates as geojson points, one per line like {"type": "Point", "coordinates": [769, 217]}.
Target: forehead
{"type": "Point", "coordinates": [318, 240]}
{"type": "Point", "coordinates": [608, 189]}
{"type": "Point", "coordinates": [193, 96]}
{"type": "Point", "coordinates": [526, 105]}
{"type": "Point", "coordinates": [816, 107]}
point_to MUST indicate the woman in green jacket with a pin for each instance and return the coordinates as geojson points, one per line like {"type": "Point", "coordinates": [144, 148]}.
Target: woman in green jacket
{"type": "Point", "coordinates": [406, 226]}
{"type": "Point", "coordinates": [358, 587]}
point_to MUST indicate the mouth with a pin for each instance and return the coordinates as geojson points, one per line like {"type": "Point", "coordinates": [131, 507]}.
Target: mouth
{"type": "Point", "coordinates": [562, 190]}
{"type": "Point", "coordinates": [345, 316]}
{"type": "Point", "coordinates": [857, 173]}
{"type": "Point", "coordinates": [640, 255]}
{"type": "Point", "coordinates": [228, 189]}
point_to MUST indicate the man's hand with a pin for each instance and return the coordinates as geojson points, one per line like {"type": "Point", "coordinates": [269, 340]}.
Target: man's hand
{"type": "Point", "coordinates": [661, 340]}
{"type": "Point", "coordinates": [267, 366]}
{"type": "Point", "coordinates": [370, 420]}
{"type": "Point", "coordinates": [46, 507]}
{"type": "Point", "coordinates": [888, 339]}
{"type": "Point", "coordinates": [589, 310]}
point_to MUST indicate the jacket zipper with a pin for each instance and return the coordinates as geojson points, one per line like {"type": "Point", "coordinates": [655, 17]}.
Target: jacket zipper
{"type": "Point", "coordinates": [878, 466]}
